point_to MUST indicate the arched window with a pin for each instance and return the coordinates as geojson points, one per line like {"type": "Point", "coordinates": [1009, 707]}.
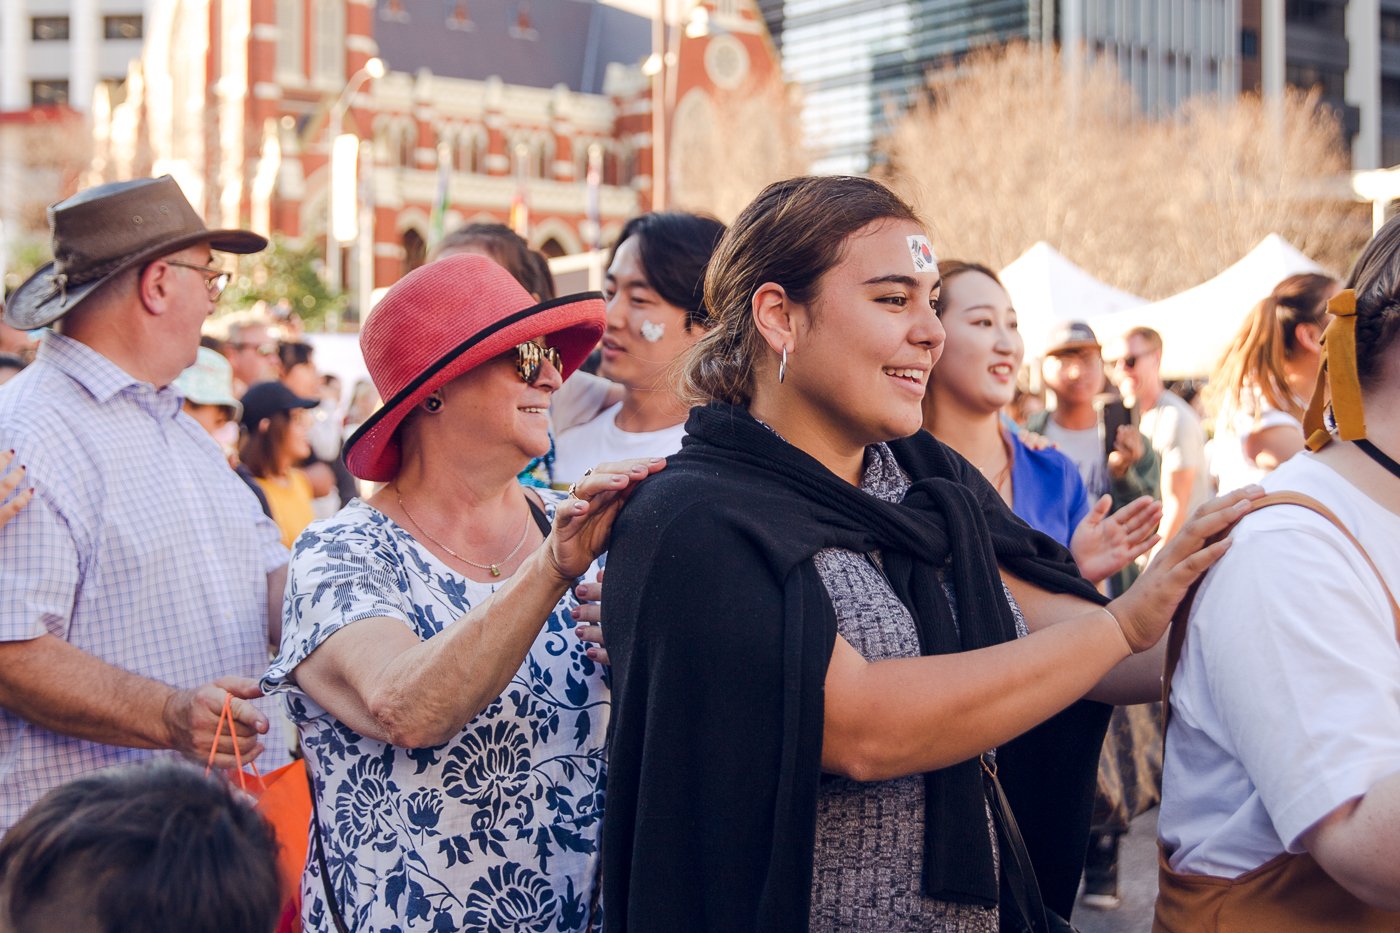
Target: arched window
{"type": "Point", "coordinates": [626, 165]}
{"type": "Point", "coordinates": [407, 143]}
{"type": "Point", "coordinates": [546, 156]}
{"type": "Point", "coordinates": [459, 16]}
{"type": "Point", "coordinates": [291, 33]}
{"type": "Point", "coordinates": [328, 41]}
{"type": "Point", "coordinates": [415, 250]}
{"type": "Point", "coordinates": [581, 147]}
{"type": "Point", "coordinates": [471, 150]}
{"type": "Point", "coordinates": [611, 173]}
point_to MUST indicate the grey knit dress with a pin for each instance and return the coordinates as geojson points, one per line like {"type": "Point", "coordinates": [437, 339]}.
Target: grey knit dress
{"type": "Point", "coordinates": [868, 860]}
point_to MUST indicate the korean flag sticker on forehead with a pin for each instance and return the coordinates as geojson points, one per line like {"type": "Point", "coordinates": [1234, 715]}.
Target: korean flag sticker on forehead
{"type": "Point", "coordinates": [922, 253]}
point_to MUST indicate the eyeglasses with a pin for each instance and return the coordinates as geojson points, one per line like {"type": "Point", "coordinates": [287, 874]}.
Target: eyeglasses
{"type": "Point", "coordinates": [262, 349]}
{"type": "Point", "coordinates": [215, 280]}
{"type": "Point", "coordinates": [530, 356]}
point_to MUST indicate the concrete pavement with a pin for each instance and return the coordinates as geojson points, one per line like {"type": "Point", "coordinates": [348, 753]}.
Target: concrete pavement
{"type": "Point", "coordinates": [1137, 883]}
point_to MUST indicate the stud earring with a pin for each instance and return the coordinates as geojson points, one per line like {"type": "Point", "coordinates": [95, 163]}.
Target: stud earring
{"type": "Point", "coordinates": [432, 404]}
{"type": "Point", "coordinates": [782, 367]}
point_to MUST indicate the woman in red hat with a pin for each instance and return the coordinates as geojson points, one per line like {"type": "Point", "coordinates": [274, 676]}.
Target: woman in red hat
{"type": "Point", "coordinates": [452, 717]}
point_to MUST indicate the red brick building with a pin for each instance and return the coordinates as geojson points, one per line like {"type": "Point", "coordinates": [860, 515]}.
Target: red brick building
{"type": "Point", "coordinates": [501, 100]}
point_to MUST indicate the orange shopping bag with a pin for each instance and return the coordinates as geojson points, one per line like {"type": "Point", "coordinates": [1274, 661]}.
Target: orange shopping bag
{"type": "Point", "coordinates": [284, 800]}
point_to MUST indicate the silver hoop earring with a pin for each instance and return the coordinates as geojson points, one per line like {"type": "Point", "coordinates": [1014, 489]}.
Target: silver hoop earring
{"type": "Point", "coordinates": [782, 367]}
{"type": "Point", "coordinates": [432, 404]}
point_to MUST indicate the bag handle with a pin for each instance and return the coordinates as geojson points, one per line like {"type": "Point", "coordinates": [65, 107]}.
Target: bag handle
{"type": "Point", "coordinates": [226, 716]}
{"type": "Point", "coordinates": [1176, 638]}
{"type": "Point", "coordinates": [1017, 871]}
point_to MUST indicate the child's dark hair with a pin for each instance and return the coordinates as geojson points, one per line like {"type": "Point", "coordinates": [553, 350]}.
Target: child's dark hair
{"type": "Point", "coordinates": [146, 847]}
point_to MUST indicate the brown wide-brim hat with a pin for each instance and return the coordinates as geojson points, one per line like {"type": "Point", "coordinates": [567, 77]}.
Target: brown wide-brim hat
{"type": "Point", "coordinates": [444, 319]}
{"type": "Point", "coordinates": [101, 232]}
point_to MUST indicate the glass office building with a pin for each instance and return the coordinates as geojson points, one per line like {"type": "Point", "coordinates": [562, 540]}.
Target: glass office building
{"type": "Point", "coordinates": [861, 62]}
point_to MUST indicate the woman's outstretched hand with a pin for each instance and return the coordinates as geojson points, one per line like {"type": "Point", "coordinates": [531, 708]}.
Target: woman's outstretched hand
{"type": "Point", "coordinates": [1104, 544]}
{"type": "Point", "coordinates": [1145, 610]}
{"type": "Point", "coordinates": [584, 521]}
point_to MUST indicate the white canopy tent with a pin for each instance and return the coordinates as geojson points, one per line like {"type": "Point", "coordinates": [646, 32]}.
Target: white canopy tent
{"type": "Point", "coordinates": [1198, 324]}
{"type": "Point", "coordinates": [1047, 289]}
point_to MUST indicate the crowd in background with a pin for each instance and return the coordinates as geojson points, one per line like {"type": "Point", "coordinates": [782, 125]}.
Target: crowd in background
{"type": "Point", "coordinates": [405, 584]}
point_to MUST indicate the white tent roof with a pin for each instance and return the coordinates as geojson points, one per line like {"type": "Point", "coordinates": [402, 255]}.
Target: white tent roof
{"type": "Point", "coordinates": [1046, 289]}
{"type": "Point", "coordinates": [1198, 324]}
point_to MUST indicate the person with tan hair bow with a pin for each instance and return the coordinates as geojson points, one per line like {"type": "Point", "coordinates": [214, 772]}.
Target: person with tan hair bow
{"type": "Point", "coordinates": [1281, 784]}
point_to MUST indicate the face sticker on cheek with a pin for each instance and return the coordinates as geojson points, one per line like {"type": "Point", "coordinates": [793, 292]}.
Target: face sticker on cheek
{"type": "Point", "coordinates": [922, 253]}
{"type": "Point", "coordinates": [653, 331]}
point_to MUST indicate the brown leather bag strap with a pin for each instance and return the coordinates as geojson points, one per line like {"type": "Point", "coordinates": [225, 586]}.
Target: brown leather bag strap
{"type": "Point", "coordinates": [1176, 637]}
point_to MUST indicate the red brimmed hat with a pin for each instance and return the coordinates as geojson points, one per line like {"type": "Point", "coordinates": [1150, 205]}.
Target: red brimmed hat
{"type": "Point", "coordinates": [440, 321]}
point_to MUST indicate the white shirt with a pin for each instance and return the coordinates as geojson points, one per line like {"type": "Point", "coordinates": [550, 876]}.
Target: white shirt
{"type": "Point", "coordinates": [580, 399]}
{"type": "Point", "coordinates": [1286, 703]}
{"type": "Point", "coordinates": [600, 440]}
{"type": "Point", "coordinates": [141, 547]}
{"type": "Point", "coordinates": [1232, 467]}
{"type": "Point", "coordinates": [1085, 448]}
{"type": "Point", "coordinates": [1174, 430]}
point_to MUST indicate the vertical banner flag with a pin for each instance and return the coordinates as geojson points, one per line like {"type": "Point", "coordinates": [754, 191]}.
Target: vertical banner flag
{"type": "Point", "coordinates": [595, 183]}
{"type": "Point", "coordinates": [520, 205]}
{"type": "Point", "coordinates": [438, 221]}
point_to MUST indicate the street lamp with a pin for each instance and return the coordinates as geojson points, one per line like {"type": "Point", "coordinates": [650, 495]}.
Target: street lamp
{"type": "Point", "coordinates": [1380, 187]}
{"type": "Point", "coordinates": [372, 69]}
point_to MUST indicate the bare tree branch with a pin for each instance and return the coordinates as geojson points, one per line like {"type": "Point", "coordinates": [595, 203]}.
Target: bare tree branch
{"type": "Point", "coordinates": [1005, 152]}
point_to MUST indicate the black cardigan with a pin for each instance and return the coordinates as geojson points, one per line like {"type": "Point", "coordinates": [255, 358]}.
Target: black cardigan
{"type": "Point", "coordinates": [720, 632]}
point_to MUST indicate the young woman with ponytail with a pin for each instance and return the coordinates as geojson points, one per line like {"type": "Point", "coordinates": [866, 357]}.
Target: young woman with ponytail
{"type": "Point", "coordinates": [1261, 385]}
{"type": "Point", "coordinates": [1281, 786]}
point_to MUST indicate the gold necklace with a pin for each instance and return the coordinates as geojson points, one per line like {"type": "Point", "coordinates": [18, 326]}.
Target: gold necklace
{"type": "Point", "coordinates": [494, 568]}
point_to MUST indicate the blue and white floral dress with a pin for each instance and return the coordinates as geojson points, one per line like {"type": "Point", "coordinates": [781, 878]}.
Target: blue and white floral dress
{"type": "Point", "coordinates": [497, 829]}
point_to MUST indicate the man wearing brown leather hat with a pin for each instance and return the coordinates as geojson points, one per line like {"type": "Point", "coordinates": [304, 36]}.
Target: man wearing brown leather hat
{"type": "Point", "coordinates": [137, 587]}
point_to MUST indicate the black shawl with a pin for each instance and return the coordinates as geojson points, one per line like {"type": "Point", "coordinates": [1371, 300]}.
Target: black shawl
{"type": "Point", "coordinates": [720, 632]}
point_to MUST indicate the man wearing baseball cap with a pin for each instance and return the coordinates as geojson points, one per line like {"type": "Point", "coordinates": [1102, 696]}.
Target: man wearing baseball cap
{"type": "Point", "coordinates": [137, 587]}
{"type": "Point", "coordinates": [1095, 431]}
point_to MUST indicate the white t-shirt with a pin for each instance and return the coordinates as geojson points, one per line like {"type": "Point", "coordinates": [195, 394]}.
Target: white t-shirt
{"type": "Point", "coordinates": [1286, 703]}
{"type": "Point", "coordinates": [580, 399]}
{"type": "Point", "coordinates": [600, 440]}
{"type": "Point", "coordinates": [1085, 448]}
{"type": "Point", "coordinates": [1174, 430]}
{"type": "Point", "coordinates": [1231, 466]}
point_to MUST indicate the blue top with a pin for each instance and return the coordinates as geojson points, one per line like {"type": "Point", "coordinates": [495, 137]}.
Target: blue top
{"type": "Point", "coordinates": [1046, 490]}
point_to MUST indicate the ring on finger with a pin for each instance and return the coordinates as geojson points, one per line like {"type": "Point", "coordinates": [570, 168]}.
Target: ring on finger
{"type": "Point", "coordinates": [573, 490]}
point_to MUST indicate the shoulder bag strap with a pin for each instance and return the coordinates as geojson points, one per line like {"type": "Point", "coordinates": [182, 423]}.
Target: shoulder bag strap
{"type": "Point", "coordinates": [332, 905]}
{"type": "Point", "coordinates": [1176, 638]}
{"type": "Point", "coordinates": [1018, 874]}
{"type": "Point", "coordinates": [537, 513]}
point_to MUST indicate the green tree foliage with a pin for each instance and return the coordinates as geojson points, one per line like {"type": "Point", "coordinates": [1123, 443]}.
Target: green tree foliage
{"type": "Point", "coordinates": [288, 276]}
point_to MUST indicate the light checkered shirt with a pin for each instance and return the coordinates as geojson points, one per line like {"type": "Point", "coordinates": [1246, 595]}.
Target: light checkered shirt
{"type": "Point", "coordinates": [141, 547]}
